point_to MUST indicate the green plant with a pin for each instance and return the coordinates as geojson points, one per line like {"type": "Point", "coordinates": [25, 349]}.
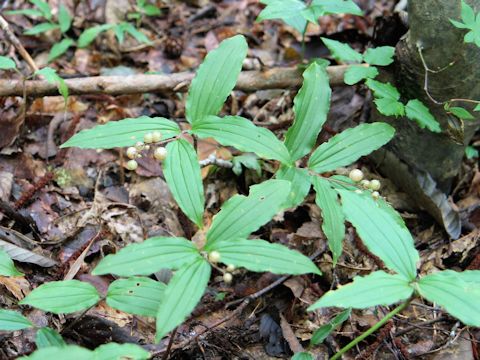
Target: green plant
{"type": "Point", "coordinates": [143, 8]}
{"type": "Point", "coordinates": [63, 22]}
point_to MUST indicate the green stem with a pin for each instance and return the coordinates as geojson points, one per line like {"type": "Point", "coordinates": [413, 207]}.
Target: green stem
{"type": "Point", "coordinates": [370, 331]}
{"type": "Point", "coordinates": [303, 42]}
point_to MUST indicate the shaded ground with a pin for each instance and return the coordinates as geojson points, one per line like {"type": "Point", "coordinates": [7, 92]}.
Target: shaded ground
{"type": "Point", "coordinates": [75, 206]}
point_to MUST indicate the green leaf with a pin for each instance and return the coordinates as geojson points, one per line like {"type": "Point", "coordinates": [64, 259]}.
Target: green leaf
{"type": "Point", "coordinates": [148, 257]}
{"type": "Point", "coordinates": [457, 296]}
{"type": "Point", "coordinates": [320, 8]}
{"type": "Point", "coordinates": [243, 135]}
{"type": "Point", "coordinates": [477, 108]}
{"type": "Point", "coordinates": [52, 77]}
{"type": "Point", "coordinates": [333, 224]}
{"type": "Point", "coordinates": [470, 153]}
{"type": "Point", "coordinates": [91, 34]}
{"type": "Point", "coordinates": [47, 337]}
{"type": "Point", "coordinates": [387, 98]}
{"type": "Point", "coordinates": [311, 106]}
{"type": "Point", "coordinates": [467, 13]}
{"type": "Point", "coordinates": [215, 79]}
{"type": "Point", "coordinates": [41, 28]}
{"type": "Point", "coordinates": [7, 63]}
{"type": "Point", "coordinates": [357, 73]}
{"type": "Point", "coordinates": [302, 356]}
{"type": "Point", "coordinates": [27, 12]}
{"type": "Point", "coordinates": [461, 113]}
{"type": "Point", "coordinates": [62, 297]}
{"type": "Point", "coordinates": [182, 173]}
{"type": "Point", "coordinates": [121, 133]}
{"type": "Point", "coordinates": [469, 276]}
{"type": "Point", "coordinates": [241, 215]}
{"type": "Point", "coordinates": [136, 295]}
{"type": "Point", "coordinates": [381, 56]}
{"type": "Point", "coordinates": [12, 321]}
{"type": "Point", "coordinates": [323, 331]}
{"type": "Point", "coordinates": [64, 19]}
{"type": "Point", "coordinates": [342, 52]}
{"type": "Point", "coordinates": [418, 112]}
{"type": "Point", "coordinates": [59, 49]}
{"type": "Point", "coordinates": [151, 10]}
{"type": "Point", "coordinates": [348, 146]}
{"type": "Point", "coordinates": [182, 294]}
{"type": "Point", "coordinates": [300, 181]}
{"type": "Point", "coordinates": [119, 30]}
{"type": "Point", "coordinates": [249, 160]}
{"type": "Point", "coordinates": [262, 256]}
{"type": "Point", "coordinates": [65, 352]}
{"type": "Point", "coordinates": [136, 34]}
{"type": "Point", "coordinates": [43, 7]}
{"type": "Point", "coordinates": [287, 10]}
{"type": "Point", "coordinates": [377, 288]}
{"type": "Point", "coordinates": [113, 351]}
{"type": "Point", "coordinates": [390, 107]}
{"type": "Point", "coordinates": [381, 232]}
{"type": "Point", "coordinates": [7, 268]}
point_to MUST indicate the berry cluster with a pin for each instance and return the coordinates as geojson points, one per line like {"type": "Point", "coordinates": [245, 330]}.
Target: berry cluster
{"type": "Point", "coordinates": [134, 152]}
{"type": "Point", "coordinates": [373, 185]}
{"type": "Point", "coordinates": [214, 257]}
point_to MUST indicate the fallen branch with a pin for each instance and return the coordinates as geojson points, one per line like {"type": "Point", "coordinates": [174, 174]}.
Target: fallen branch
{"type": "Point", "coordinates": [276, 78]}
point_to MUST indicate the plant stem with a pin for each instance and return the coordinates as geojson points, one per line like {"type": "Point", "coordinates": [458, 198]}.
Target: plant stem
{"type": "Point", "coordinates": [303, 42]}
{"type": "Point", "coordinates": [370, 331]}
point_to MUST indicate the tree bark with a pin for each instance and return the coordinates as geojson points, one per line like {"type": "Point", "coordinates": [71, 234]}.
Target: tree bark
{"type": "Point", "coordinates": [432, 155]}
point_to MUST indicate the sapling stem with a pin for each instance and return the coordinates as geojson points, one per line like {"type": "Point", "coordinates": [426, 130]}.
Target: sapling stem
{"type": "Point", "coordinates": [370, 331]}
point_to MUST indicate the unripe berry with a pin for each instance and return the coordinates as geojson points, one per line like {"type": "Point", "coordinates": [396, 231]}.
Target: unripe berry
{"type": "Point", "coordinates": [227, 278]}
{"type": "Point", "coordinates": [148, 138]}
{"type": "Point", "coordinates": [375, 185]}
{"type": "Point", "coordinates": [139, 145]}
{"type": "Point", "coordinates": [132, 152]}
{"type": "Point", "coordinates": [160, 153]}
{"type": "Point", "coordinates": [214, 257]}
{"type": "Point", "coordinates": [365, 184]}
{"type": "Point", "coordinates": [376, 195]}
{"type": "Point", "coordinates": [156, 136]}
{"type": "Point", "coordinates": [231, 268]}
{"type": "Point", "coordinates": [132, 165]}
{"type": "Point", "coordinates": [356, 175]}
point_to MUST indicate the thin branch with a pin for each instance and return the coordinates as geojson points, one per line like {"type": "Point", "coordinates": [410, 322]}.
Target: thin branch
{"type": "Point", "coordinates": [249, 81]}
{"type": "Point", "coordinates": [213, 160]}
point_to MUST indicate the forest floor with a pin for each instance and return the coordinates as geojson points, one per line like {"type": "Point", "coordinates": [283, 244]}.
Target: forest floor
{"type": "Point", "coordinates": [65, 209]}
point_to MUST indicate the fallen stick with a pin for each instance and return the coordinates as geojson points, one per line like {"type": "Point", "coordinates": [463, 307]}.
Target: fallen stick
{"type": "Point", "coordinates": [276, 78]}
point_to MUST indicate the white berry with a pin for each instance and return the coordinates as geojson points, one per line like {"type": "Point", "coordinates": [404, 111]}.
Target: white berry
{"type": "Point", "coordinates": [160, 153]}
{"type": "Point", "coordinates": [375, 185]}
{"type": "Point", "coordinates": [375, 195]}
{"type": "Point", "coordinates": [356, 175]}
{"type": "Point", "coordinates": [227, 278]}
{"type": "Point", "coordinates": [132, 165]}
{"type": "Point", "coordinates": [214, 257]}
{"type": "Point", "coordinates": [148, 138]}
{"type": "Point", "coordinates": [156, 136]}
{"type": "Point", "coordinates": [365, 184]}
{"type": "Point", "coordinates": [132, 152]}
{"type": "Point", "coordinates": [139, 145]}
{"type": "Point", "coordinates": [231, 268]}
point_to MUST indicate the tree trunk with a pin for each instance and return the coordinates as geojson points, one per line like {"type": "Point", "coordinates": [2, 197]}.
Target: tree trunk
{"type": "Point", "coordinates": [431, 160]}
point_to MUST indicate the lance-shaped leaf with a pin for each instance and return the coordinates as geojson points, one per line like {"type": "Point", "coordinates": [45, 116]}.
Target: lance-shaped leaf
{"type": "Point", "coordinates": [65, 352]}
{"type": "Point", "coordinates": [215, 79]}
{"type": "Point", "coordinates": [113, 351]}
{"type": "Point", "coordinates": [7, 268]}
{"type": "Point", "coordinates": [59, 49]}
{"type": "Point", "coordinates": [62, 297]}
{"type": "Point", "coordinates": [300, 181]}
{"type": "Point", "coordinates": [324, 7]}
{"type": "Point", "coordinates": [182, 294]}
{"type": "Point", "coordinates": [182, 172]}
{"type": "Point", "coordinates": [341, 51]}
{"type": "Point", "coordinates": [261, 256]}
{"type": "Point", "coordinates": [136, 295]}
{"type": "Point", "coordinates": [241, 215]}
{"type": "Point", "coordinates": [348, 146]}
{"type": "Point", "coordinates": [311, 106]}
{"type": "Point", "coordinates": [148, 257]}
{"type": "Point", "coordinates": [6, 63]}
{"type": "Point", "coordinates": [286, 10]}
{"type": "Point", "coordinates": [121, 133]}
{"type": "Point", "coordinates": [417, 111]}
{"type": "Point", "coordinates": [381, 232]}
{"type": "Point", "coordinates": [91, 34]}
{"type": "Point", "coordinates": [242, 134]}
{"type": "Point", "coordinates": [450, 290]}
{"type": "Point", "coordinates": [377, 288]}
{"type": "Point", "coordinates": [12, 320]}
{"type": "Point", "coordinates": [381, 56]}
{"type": "Point", "coordinates": [323, 331]}
{"type": "Point", "coordinates": [333, 225]}
{"type": "Point", "coordinates": [47, 337]}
